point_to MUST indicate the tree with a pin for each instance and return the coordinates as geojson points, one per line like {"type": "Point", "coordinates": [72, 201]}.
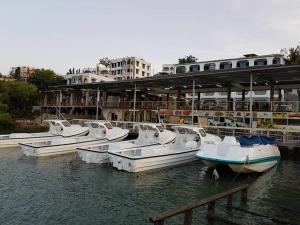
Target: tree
{"type": "Point", "coordinates": [293, 56]}
{"type": "Point", "coordinates": [17, 98]}
{"type": "Point", "coordinates": [45, 78]}
{"type": "Point", "coordinates": [187, 59]}
{"type": "Point", "coordinates": [104, 61]}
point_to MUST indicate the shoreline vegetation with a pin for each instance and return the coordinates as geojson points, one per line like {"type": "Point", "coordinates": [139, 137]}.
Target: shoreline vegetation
{"type": "Point", "coordinates": [18, 97]}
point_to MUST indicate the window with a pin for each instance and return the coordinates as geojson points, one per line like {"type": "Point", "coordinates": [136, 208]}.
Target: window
{"type": "Point", "coordinates": [242, 64]}
{"type": "Point", "coordinates": [260, 62]}
{"type": "Point", "coordinates": [148, 67]}
{"type": "Point", "coordinates": [144, 66]}
{"type": "Point", "coordinates": [160, 128]}
{"type": "Point", "coordinates": [128, 70]}
{"type": "Point", "coordinates": [165, 68]}
{"type": "Point", "coordinates": [276, 61]}
{"type": "Point", "coordinates": [143, 73]}
{"type": "Point", "coordinates": [210, 66]}
{"type": "Point", "coordinates": [260, 92]}
{"type": "Point", "coordinates": [128, 62]}
{"type": "Point", "coordinates": [108, 125]}
{"type": "Point", "coordinates": [202, 132]}
{"type": "Point", "coordinates": [181, 130]}
{"type": "Point", "coordinates": [137, 71]}
{"type": "Point", "coordinates": [143, 127]}
{"type": "Point", "coordinates": [225, 65]}
{"type": "Point", "coordinates": [128, 77]}
{"type": "Point", "coordinates": [180, 69]}
{"type": "Point", "coordinates": [66, 124]}
{"type": "Point", "coordinates": [119, 64]}
{"type": "Point", "coordinates": [104, 72]}
{"type": "Point", "coordinates": [194, 68]}
{"type": "Point", "coordinates": [137, 63]}
{"type": "Point", "coordinates": [148, 74]}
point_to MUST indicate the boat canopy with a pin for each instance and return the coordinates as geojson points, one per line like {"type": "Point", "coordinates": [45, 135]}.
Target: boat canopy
{"type": "Point", "coordinates": [257, 140]}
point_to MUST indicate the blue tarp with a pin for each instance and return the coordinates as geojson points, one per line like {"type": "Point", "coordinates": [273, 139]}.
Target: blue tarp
{"type": "Point", "coordinates": [261, 140]}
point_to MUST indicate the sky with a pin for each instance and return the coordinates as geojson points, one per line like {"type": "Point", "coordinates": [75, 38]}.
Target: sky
{"type": "Point", "coordinates": [59, 34]}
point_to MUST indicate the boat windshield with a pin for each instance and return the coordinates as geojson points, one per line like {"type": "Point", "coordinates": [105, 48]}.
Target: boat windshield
{"type": "Point", "coordinates": [108, 125]}
{"type": "Point", "coordinates": [94, 125]}
{"type": "Point", "coordinates": [181, 130]}
{"type": "Point", "coordinates": [143, 127]}
{"type": "Point", "coordinates": [190, 131]}
{"type": "Point", "coordinates": [66, 124]}
{"type": "Point", "coordinates": [202, 132]}
{"type": "Point", "coordinates": [160, 128]}
{"type": "Point", "coordinates": [150, 128]}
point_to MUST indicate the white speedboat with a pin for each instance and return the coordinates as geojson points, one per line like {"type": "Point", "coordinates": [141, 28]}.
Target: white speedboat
{"type": "Point", "coordinates": [99, 132]}
{"type": "Point", "coordinates": [149, 134]}
{"type": "Point", "coordinates": [183, 150]}
{"type": "Point", "coordinates": [251, 154]}
{"type": "Point", "coordinates": [57, 129]}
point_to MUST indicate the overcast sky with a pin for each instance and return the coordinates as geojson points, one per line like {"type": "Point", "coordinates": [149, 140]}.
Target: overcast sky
{"type": "Point", "coordinates": [60, 34]}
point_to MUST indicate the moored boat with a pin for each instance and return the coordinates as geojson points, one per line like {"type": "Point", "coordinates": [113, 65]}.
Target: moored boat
{"type": "Point", "coordinates": [183, 150]}
{"type": "Point", "coordinates": [251, 154]}
{"type": "Point", "coordinates": [57, 129]}
{"type": "Point", "coordinates": [99, 132]}
{"type": "Point", "coordinates": [149, 134]}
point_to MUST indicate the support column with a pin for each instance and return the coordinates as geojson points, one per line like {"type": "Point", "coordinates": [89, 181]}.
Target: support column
{"type": "Point", "coordinates": [243, 99]}
{"type": "Point", "coordinates": [199, 99]}
{"type": "Point", "coordinates": [71, 98]}
{"type": "Point", "coordinates": [97, 103]}
{"type": "Point", "coordinates": [271, 97]}
{"type": "Point", "coordinates": [168, 96]}
{"type": "Point", "coordinates": [229, 103]}
{"type": "Point", "coordinates": [87, 98]}
{"type": "Point", "coordinates": [178, 103]}
{"type": "Point", "coordinates": [193, 102]}
{"type": "Point", "coordinates": [279, 95]}
{"type": "Point", "coordinates": [134, 102]}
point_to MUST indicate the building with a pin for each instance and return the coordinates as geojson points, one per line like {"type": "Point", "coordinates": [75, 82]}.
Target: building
{"type": "Point", "coordinates": [129, 68]}
{"type": "Point", "coordinates": [88, 75]}
{"type": "Point", "coordinates": [116, 69]}
{"type": "Point", "coordinates": [21, 72]}
{"type": "Point", "coordinates": [249, 60]}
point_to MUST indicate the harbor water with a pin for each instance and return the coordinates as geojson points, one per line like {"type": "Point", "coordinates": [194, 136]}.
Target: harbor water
{"type": "Point", "coordinates": [64, 190]}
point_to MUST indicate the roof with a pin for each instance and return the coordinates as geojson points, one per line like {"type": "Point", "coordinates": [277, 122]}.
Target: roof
{"type": "Point", "coordinates": [205, 81]}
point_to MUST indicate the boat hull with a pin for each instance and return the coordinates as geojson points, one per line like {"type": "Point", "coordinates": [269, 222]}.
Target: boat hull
{"type": "Point", "coordinates": [37, 151]}
{"type": "Point", "coordinates": [151, 163]}
{"type": "Point", "coordinates": [253, 168]}
{"type": "Point", "coordinates": [14, 142]}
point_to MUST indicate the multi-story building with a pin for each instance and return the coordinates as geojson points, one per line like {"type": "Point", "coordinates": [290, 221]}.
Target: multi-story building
{"type": "Point", "coordinates": [21, 72]}
{"type": "Point", "coordinates": [249, 60]}
{"type": "Point", "coordinates": [129, 68]}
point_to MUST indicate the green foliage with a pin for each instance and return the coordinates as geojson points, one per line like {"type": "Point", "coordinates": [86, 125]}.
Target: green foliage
{"type": "Point", "coordinates": [187, 59]}
{"type": "Point", "coordinates": [294, 56]}
{"type": "Point", "coordinates": [5, 121]}
{"type": "Point", "coordinates": [45, 78]}
{"type": "Point", "coordinates": [17, 98]}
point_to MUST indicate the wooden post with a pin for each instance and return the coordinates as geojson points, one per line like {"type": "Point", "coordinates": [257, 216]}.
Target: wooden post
{"type": "Point", "coordinates": [210, 209]}
{"type": "Point", "coordinates": [160, 222]}
{"type": "Point", "coordinates": [244, 195]}
{"type": "Point", "coordinates": [229, 201]}
{"type": "Point", "coordinates": [188, 217]}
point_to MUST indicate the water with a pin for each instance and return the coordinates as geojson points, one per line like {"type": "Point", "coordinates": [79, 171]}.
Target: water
{"type": "Point", "coordinates": [64, 190]}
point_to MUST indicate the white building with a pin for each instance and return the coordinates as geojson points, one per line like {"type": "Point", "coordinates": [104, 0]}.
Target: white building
{"type": "Point", "coordinates": [249, 60]}
{"type": "Point", "coordinates": [129, 68]}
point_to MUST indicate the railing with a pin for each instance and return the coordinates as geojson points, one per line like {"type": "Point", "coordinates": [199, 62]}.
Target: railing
{"type": "Point", "coordinates": [210, 202]}
{"type": "Point", "coordinates": [207, 105]}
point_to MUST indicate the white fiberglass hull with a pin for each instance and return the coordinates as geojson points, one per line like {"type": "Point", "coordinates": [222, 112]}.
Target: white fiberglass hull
{"type": "Point", "coordinates": [13, 142]}
{"type": "Point", "coordinates": [250, 159]}
{"type": "Point", "coordinates": [37, 151]}
{"type": "Point", "coordinates": [66, 146]}
{"type": "Point", "coordinates": [150, 163]}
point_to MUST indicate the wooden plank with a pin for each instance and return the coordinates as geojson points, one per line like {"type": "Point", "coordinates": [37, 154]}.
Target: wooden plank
{"type": "Point", "coordinates": [196, 204]}
{"type": "Point", "coordinates": [188, 217]}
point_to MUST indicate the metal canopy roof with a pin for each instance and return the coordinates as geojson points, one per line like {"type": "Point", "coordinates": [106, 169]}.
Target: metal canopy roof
{"type": "Point", "coordinates": [287, 76]}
